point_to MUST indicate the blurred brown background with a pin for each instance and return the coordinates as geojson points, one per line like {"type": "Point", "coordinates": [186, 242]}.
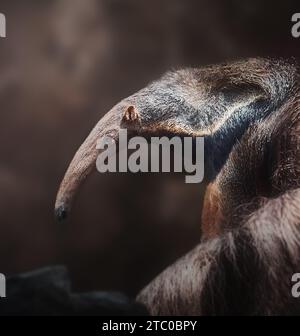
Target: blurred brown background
{"type": "Point", "coordinates": [63, 64]}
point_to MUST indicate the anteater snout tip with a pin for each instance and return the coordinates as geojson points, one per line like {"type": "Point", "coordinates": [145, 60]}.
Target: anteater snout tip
{"type": "Point", "coordinates": [61, 213]}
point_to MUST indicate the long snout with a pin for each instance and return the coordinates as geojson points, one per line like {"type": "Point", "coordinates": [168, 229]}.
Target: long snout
{"type": "Point", "coordinates": [84, 161]}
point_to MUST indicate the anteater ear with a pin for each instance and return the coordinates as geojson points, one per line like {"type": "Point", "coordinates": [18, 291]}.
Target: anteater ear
{"type": "Point", "coordinates": [131, 115]}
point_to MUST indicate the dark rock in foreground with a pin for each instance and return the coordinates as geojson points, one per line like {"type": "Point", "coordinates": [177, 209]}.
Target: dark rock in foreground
{"type": "Point", "coordinates": [47, 291]}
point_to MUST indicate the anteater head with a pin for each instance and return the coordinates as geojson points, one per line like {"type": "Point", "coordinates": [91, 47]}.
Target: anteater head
{"type": "Point", "coordinates": [217, 102]}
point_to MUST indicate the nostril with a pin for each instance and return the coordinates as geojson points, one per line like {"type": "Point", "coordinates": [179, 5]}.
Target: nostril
{"type": "Point", "coordinates": [61, 213]}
